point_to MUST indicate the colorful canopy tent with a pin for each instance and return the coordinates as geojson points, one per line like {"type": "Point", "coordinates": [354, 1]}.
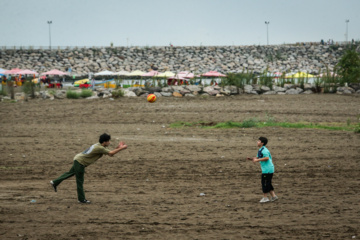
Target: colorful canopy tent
{"type": "Point", "coordinates": [136, 73]}
{"type": "Point", "coordinates": [301, 75]}
{"type": "Point", "coordinates": [185, 74]}
{"type": "Point", "coordinates": [54, 72]}
{"type": "Point", "coordinates": [213, 74]}
{"type": "Point", "coordinates": [274, 75]}
{"type": "Point", "coordinates": [104, 73]}
{"type": "Point", "coordinates": [166, 74]}
{"type": "Point", "coordinates": [151, 74]}
{"type": "Point", "coordinates": [180, 78]}
{"type": "Point", "coordinates": [121, 73]}
{"type": "Point", "coordinates": [12, 71]}
{"type": "Point", "coordinates": [27, 72]}
{"type": "Point", "coordinates": [277, 74]}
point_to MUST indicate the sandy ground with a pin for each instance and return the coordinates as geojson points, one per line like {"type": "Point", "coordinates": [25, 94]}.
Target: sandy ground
{"type": "Point", "coordinates": [152, 190]}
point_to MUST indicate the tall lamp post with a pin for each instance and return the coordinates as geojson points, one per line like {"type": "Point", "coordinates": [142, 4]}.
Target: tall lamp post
{"type": "Point", "coordinates": [347, 21]}
{"type": "Point", "coordinates": [49, 22]}
{"type": "Point", "coordinates": [267, 31]}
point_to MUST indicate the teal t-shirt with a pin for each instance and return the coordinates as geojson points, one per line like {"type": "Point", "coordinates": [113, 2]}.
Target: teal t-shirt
{"type": "Point", "coordinates": [266, 166]}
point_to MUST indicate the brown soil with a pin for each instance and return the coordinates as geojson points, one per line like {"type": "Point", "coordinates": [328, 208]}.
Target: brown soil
{"type": "Point", "coordinates": [152, 189]}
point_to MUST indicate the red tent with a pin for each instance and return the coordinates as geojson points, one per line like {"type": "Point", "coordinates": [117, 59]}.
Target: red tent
{"type": "Point", "coordinates": [150, 74]}
{"type": "Point", "coordinates": [54, 72]}
{"type": "Point", "coordinates": [12, 71]}
{"type": "Point", "coordinates": [213, 74]}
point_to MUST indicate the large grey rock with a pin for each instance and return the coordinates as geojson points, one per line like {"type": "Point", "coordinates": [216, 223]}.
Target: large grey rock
{"type": "Point", "coordinates": [308, 86]}
{"type": "Point", "coordinates": [60, 94]}
{"type": "Point", "coordinates": [299, 90]}
{"type": "Point", "coordinates": [232, 89]}
{"type": "Point", "coordinates": [93, 97]}
{"type": "Point", "coordinates": [308, 92]}
{"type": "Point", "coordinates": [345, 90]}
{"type": "Point", "coordinates": [225, 92]}
{"type": "Point", "coordinates": [265, 89]}
{"type": "Point", "coordinates": [178, 88]}
{"type": "Point", "coordinates": [157, 94]}
{"type": "Point", "coordinates": [184, 91]}
{"type": "Point", "coordinates": [167, 90]}
{"type": "Point", "coordinates": [292, 91]}
{"type": "Point", "coordinates": [166, 94]}
{"type": "Point", "coordinates": [140, 91]}
{"type": "Point", "coordinates": [289, 86]}
{"type": "Point", "coordinates": [208, 89]}
{"type": "Point", "coordinates": [128, 93]}
{"type": "Point", "coordinates": [279, 89]}
{"type": "Point", "coordinates": [194, 88]}
{"type": "Point", "coordinates": [153, 89]}
{"type": "Point", "coordinates": [248, 88]}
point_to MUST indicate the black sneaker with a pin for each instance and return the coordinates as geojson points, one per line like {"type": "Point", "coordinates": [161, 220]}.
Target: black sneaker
{"type": "Point", "coordinates": [84, 201]}
{"type": "Point", "coordinates": [53, 185]}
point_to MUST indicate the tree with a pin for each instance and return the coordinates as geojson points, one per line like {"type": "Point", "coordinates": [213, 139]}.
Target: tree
{"type": "Point", "coordinates": [349, 66]}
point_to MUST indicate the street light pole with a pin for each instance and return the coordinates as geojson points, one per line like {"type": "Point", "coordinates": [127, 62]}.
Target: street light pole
{"type": "Point", "coordinates": [49, 22]}
{"type": "Point", "coordinates": [267, 31]}
{"type": "Point", "coordinates": [347, 21]}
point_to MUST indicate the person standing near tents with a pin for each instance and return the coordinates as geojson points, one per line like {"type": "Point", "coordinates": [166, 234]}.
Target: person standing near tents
{"type": "Point", "coordinates": [83, 160]}
{"type": "Point", "coordinates": [93, 83]}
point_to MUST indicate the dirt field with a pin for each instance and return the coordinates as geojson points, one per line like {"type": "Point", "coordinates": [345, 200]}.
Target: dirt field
{"type": "Point", "coordinates": [152, 189]}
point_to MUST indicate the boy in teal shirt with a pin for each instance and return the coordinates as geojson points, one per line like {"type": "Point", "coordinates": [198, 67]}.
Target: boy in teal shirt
{"type": "Point", "coordinates": [267, 168]}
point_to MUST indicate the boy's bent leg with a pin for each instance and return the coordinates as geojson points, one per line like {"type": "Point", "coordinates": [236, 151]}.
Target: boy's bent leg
{"type": "Point", "coordinates": [66, 175]}
{"type": "Point", "coordinates": [79, 173]}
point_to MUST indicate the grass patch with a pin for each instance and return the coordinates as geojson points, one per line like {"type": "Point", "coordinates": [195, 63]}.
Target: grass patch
{"type": "Point", "coordinates": [117, 93]}
{"type": "Point", "coordinates": [250, 123]}
{"type": "Point", "coordinates": [86, 93]}
{"type": "Point", "coordinates": [72, 94]}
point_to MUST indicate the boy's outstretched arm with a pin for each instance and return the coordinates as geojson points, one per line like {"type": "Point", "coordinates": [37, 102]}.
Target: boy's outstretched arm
{"type": "Point", "coordinates": [120, 147]}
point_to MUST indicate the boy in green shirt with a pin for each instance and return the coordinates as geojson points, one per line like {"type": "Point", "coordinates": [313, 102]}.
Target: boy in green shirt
{"type": "Point", "coordinates": [84, 159]}
{"type": "Point", "coordinates": [267, 169]}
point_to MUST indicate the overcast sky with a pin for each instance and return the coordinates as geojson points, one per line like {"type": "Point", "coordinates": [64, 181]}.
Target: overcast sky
{"type": "Point", "coordinates": [179, 22]}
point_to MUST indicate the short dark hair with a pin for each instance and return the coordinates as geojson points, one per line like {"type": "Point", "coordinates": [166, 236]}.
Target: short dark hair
{"type": "Point", "coordinates": [104, 138]}
{"type": "Point", "coordinates": [263, 140]}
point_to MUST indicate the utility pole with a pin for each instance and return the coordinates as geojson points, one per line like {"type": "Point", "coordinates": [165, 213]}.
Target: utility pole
{"type": "Point", "coordinates": [49, 22]}
{"type": "Point", "coordinates": [347, 21]}
{"type": "Point", "coordinates": [267, 31]}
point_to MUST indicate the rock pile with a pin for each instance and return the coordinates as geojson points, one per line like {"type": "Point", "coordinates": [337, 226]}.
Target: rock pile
{"type": "Point", "coordinates": [189, 91]}
{"type": "Point", "coordinates": [301, 57]}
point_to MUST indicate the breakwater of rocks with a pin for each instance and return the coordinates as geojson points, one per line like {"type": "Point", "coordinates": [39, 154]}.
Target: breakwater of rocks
{"type": "Point", "coordinates": [188, 91]}
{"type": "Point", "coordinates": [297, 57]}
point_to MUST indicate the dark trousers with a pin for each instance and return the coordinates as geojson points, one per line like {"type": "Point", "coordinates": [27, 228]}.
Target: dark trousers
{"type": "Point", "coordinates": [78, 170]}
{"type": "Point", "coordinates": [266, 182]}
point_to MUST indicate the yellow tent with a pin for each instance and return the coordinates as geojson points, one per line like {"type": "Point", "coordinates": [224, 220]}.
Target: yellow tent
{"type": "Point", "coordinates": [301, 75]}
{"type": "Point", "coordinates": [136, 73]}
{"type": "Point", "coordinates": [166, 74]}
